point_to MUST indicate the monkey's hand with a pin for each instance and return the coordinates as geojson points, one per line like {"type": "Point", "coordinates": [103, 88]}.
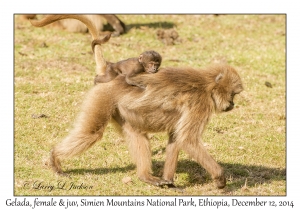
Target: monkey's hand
{"type": "Point", "coordinates": [136, 81]}
{"type": "Point", "coordinates": [142, 86]}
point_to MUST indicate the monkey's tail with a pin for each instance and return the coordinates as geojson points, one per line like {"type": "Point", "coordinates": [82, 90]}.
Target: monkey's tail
{"type": "Point", "coordinates": [48, 19]}
{"type": "Point", "coordinates": [100, 61]}
{"type": "Point", "coordinates": [100, 41]}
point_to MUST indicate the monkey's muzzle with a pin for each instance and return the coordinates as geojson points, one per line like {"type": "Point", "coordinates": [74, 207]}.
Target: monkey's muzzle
{"type": "Point", "coordinates": [230, 107]}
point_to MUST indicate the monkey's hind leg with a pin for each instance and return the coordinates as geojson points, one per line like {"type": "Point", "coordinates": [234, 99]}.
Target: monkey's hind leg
{"type": "Point", "coordinates": [139, 147]}
{"type": "Point", "coordinates": [88, 129]}
{"type": "Point", "coordinates": [74, 144]}
{"type": "Point", "coordinates": [109, 75]}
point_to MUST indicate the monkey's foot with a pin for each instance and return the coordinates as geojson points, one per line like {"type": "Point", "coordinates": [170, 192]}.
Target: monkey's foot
{"type": "Point", "coordinates": [220, 182]}
{"type": "Point", "coordinates": [172, 186]}
{"type": "Point", "coordinates": [155, 181]}
{"type": "Point", "coordinates": [169, 183]}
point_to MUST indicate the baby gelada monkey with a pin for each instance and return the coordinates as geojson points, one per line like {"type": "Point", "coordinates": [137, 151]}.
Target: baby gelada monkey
{"type": "Point", "coordinates": [148, 61]}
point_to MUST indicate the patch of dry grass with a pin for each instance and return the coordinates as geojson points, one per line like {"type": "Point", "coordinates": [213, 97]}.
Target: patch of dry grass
{"type": "Point", "coordinates": [54, 69]}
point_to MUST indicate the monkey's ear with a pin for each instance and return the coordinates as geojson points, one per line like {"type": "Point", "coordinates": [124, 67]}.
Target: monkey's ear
{"type": "Point", "coordinates": [219, 77]}
{"type": "Point", "coordinates": [140, 58]}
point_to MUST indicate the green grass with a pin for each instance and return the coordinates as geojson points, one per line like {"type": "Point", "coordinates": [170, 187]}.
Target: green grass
{"type": "Point", "coordinates": [54, 69]}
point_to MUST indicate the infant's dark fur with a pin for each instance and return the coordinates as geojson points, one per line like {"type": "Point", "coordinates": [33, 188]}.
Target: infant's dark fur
{"type": "Point", "coordinates": [148, 61]}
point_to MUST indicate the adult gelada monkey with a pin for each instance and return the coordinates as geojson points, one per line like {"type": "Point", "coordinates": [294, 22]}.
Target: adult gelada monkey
{"type": "Point", "coordinates": [177, 101]}
{"type": "Point", "coordinates": [148, 61]}
{"type": "Point", "coordinates": [77, 26]}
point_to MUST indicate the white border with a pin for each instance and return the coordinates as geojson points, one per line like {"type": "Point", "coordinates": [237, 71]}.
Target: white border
{"type": "Point", "coordinates": [177, 7]}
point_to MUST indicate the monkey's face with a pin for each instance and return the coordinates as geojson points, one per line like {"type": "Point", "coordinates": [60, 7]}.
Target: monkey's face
{"type": "Point", "coordinates": [227, 86]}
{"type": "Point", "coordinates": [152, 67]}
{"type": "Point", "coordinates": [151, 61]}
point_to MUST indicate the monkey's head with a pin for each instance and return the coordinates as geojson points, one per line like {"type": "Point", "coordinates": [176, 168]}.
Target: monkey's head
{"type": "Point", "coordinates": [150, 60]}
{"type": "Point", "coordinates": [227, 85]}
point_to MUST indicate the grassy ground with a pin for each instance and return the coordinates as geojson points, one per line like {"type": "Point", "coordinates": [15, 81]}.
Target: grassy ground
{"type": "Point", "coordinates": [54, 69]}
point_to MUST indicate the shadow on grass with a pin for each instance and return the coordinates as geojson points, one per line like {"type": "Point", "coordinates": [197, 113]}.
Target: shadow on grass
{"type": "Point", "coordinates": [100, 170]}
{"type": "Point", "coordinates": [163, 25]}
{"type": "Point", "coordinates": [236, 174]}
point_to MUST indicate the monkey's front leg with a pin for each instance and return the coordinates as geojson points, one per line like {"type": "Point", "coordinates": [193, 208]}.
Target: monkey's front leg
{"type": "Point", "coordinates": [139, 147]}
{"type": "Point", "coordinates": [135, 80]}
{"type": "Point", "coordinates": [172, 152]}
{"type": "Point", "coordinates": [198, 152]}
